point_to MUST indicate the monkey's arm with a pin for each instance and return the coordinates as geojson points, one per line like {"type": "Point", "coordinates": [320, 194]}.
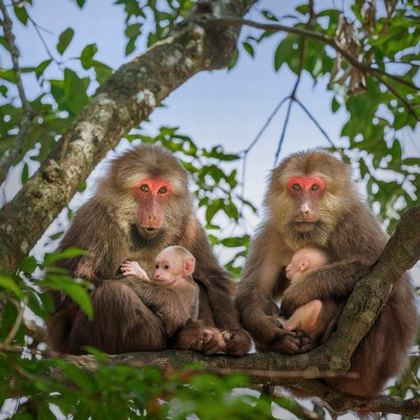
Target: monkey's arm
{"type": "Point", "coordinates": [95, 230]}
{"type": "Point", "coordinates": [263, 279]}
{"type": "Point", "coordinates": [217, 285]}
{"type": "Point", "coordinates": [356, 247]}
{"type": "Point", "coordinates": [161, 300]}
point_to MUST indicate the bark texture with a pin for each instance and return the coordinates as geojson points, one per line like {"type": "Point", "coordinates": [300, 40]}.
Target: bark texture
{"type": "Point", "coordinates": [126, 99]}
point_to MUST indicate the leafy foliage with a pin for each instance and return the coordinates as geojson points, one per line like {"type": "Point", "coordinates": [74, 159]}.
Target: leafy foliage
{"type": "Point", "coordinates": [373, 135]}
{"type": "Point", "coordinates": [379, 122]}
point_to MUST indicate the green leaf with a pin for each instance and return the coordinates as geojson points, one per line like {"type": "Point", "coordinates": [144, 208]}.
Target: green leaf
{"type": "Point", "coordinates": [234, 60]}
{"type": "Point", "coordinates": [39, 70]}
{"type": "Point", "coordinates": [7, 282]}
{"type": "Point", "coordinates": [25, 173]}
{"type": "Point", "coordinates": [249, 48]}
{"type": "Point", "coordinates": [71, 252]}
{"type": "Point", "coordinates": [8, 75]}
{"type": "Point", "coordinates": [102, 71]}
{"type": "Point", "coordinates": [64, 40]}
{"type": "Point", "coordinates": [335, 105]}
{"type": "Point", "coordinates": [303, 9]}
{"type": "Point", "coordinates": [80, 3]}
{"type": "Point", "coordinates": [86, 57]}
{"type": "Point", "coordinates": [21, 14]}
{"type": "Point", "coordinates": [71, 288]}
{"type": "Point", "coordinates": [28, 265]}
{"type": "Point", "coordinates": [269, 15]}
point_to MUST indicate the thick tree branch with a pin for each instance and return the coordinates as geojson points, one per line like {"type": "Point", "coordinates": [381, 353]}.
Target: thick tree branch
{"type": "Point", "coordinates": [400, 254]}
{"type": "Point", "coordinates": [126, 99]}
{"type": "Point", "coordinates": [340, 402]}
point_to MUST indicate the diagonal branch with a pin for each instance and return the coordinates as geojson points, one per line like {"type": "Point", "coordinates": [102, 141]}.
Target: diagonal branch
{"type": "Point", "coordinates": [295, 87]}
{"type": "Point", "coordinates": [126, 99]}
{"type": "Point", "coordinates": [314, 120]}
{"type": "Point", "coordinates": [10, 156]}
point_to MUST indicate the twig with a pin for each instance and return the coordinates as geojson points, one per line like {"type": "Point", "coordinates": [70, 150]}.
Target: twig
{"type": "Point", "coordinates": [401, 98]}
{"type": "Point", "coordinates": [10, 156]}
{"type": "Point", "coordinates": [16, 325]}
{"type": "Point", "coordinates": [294, 407]}
{"type": "Point", "coordinates": [314, 120]}
{"type": "Point", "coordinates": [295, 87]}
{"type": "Point", "coordinates": [305, 33]}
{"type": "Point", "coordinates": [265, 125]}
{"type": "Point", "coordinates": [37, 29]}
{"type": "Point", "coordinates": [285, 124]}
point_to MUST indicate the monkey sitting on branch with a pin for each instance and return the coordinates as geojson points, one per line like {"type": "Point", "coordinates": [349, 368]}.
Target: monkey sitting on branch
{"type": "Point", "coordinates": [174, 267]}
{"type": "Point", "coordinates": [141, 206]}
{"type": "Point", "coordinates": [312, 202]}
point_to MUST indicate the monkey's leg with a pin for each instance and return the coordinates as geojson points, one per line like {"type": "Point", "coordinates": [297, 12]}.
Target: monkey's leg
{"type": "Point", "coordinates": [121, 323]}
{"type": "Point", "coordinates": [305, 317]}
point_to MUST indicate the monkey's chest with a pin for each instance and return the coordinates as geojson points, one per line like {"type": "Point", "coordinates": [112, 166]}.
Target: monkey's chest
{"type": "Point", "coordinates": [146, 261]}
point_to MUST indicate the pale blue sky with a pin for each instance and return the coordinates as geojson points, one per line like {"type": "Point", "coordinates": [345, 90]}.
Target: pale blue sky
{"type": "Point", "coordinates": [218, 107]}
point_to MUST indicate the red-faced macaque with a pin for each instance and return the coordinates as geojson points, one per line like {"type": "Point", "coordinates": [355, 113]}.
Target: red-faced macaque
{"type": "Point", "coordinates": [312, 202]}
{"type": "Point", "coordinates": [141, 206]}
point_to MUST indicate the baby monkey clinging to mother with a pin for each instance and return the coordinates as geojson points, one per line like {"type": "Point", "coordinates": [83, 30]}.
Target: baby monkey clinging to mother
{"type": "Point", "coordinates": [174, 267]}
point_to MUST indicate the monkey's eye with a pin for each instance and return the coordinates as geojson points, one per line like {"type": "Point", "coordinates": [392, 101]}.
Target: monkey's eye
{"type": "Point", "coordinates": [166, 266]}
{"type": "Point", "coordinates": [163, 190]}
{"type": "Point", "coordinates": [144, 188]}
{"type": "Point", "coordinates": [315, 187]}
{"type": "Point", "coordinates": [296, 187]}
{"type": "Point", "coordinates": [157, 266]}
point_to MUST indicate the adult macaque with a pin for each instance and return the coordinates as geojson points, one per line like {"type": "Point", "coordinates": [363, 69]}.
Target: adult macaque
{"type": "Point", "coordinates": [311, 201]}
{"type": "Point", "coordinates": [140, 207]}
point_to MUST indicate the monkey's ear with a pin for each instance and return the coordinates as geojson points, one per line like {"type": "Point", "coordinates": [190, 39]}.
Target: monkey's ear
{"type": "Point", "coordinates": [189, 266]}
{"type": "Point", "coordinates": [304, 264]}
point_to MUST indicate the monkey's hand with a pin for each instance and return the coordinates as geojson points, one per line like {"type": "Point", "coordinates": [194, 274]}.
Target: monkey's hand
{"type": "Point", "coordinates": [209, 341]}
{"type": "Point", "coordinates": [287, 343]}
{"type": "Point", "coordinates": [333, 281]}
{"type": "Point", "coordinates": [132, 268]}
{"type": "Point", "coordinates": [238, 342]}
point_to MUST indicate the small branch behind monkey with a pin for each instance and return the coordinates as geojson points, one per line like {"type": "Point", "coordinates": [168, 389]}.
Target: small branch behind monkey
{"type": "Point", "coordinates": [9, 157]}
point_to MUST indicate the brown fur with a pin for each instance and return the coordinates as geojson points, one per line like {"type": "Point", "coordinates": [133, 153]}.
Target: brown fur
{"type": "Point", "coordinates": [106, 227]}
{"type": "Point", "coordinates": [354, 240]}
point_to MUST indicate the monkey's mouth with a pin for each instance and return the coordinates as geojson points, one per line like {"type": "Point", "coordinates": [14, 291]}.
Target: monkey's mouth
{"type": "Point", "coordinates": [148, 232]}
{"type": "Point", "coordinates": [305, 226]}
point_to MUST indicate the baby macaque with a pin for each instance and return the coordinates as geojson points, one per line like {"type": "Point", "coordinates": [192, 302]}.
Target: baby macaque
{"type": "Point", "coordinates": [315, 317]}
{"type": "Point", "coordinates": [174, 267]}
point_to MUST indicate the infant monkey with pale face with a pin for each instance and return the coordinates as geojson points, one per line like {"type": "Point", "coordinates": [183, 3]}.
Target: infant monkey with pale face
{"type": "Point", "coordinates": [316, 318]}
{"type": "Point", "coordinates": [174, 267]}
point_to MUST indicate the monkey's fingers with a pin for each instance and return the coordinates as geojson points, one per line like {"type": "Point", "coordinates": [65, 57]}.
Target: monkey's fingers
{"type": "Point", "coordinates": [213, 342]}
{"type": "Point", "coordinates": [287, 344]}
{"type": "Point", "coordinates": [290, 326]}
{"type": "Point", "coordinates": [238, 342]}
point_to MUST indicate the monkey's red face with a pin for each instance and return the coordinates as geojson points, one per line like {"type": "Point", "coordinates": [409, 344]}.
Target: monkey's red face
{"type": "Point", "coordinates": [152, 195]}
{"type": "Point", "coordinates": [305, 192]}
